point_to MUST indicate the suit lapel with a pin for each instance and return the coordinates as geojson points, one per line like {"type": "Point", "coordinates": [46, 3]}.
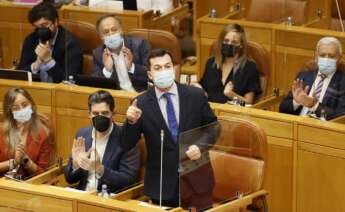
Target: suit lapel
{"type": "Point", "coordinates": [183, 99]}
{"type": "Point", "coordinates": [309, 80]}
{"type": "Point", "coordinates": [88, 139]}
{"type": "Point", "coordinates": [333, 88]}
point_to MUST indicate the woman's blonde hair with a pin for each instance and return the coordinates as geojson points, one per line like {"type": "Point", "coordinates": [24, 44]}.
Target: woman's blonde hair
{"type": "Point", "coordinates": [36, 123]}
{"type": "Point", "coordinates": [219, 42]}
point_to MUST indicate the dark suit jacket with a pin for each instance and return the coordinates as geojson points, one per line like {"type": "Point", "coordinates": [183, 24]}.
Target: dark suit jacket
{"type": "Point", "coordinates": [333, 102]}
{"type": "Point", "coordinates": [140, 50]}
{"type": "Point", "coordinates": [67, 53]}
{"type": "Point", "coordinates": [194, 112]}
{"type": "Point", "coordinates": [120, 167]}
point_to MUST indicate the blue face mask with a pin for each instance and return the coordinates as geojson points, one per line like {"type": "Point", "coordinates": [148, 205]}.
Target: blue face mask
{"type": "Point", "coordinates": [327, 66]}
{"type": "Point", "coordinates": [113, 41]}
{"type": "Point", "coordinates": [164, 78]}
{"type": "Point", "coordinates": [23, 115]}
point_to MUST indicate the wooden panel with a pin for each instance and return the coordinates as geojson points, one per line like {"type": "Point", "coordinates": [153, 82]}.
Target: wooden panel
{"type": "Point", "coordinates": [67, 127]}
{"type": "Point", "coordinates": [272, 127]}
{"type": "Point", "coordinates": [303, 38]}
{"type": "Point", "coordinates": [278, 176]}
{"type": "Point", "coordinates": [86, 207]}
{"type": "Point", "coordinates": [7, 10]}
{"type": "Point", "coordinates": [320, 182]}
{"type": "Point", "coordinates": [26, 201]}
{"type": "Point", "coordinates": [289, 61]}
{"type": "Point", "coordinates": [41, 96]}
{"type": "Point", "coordinates": [330, 138]}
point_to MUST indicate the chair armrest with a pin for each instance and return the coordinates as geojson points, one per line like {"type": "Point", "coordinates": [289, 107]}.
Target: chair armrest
{"type": "Point", "coordinates": [339, 119]}
{"type": "Point", "coordinates": [48, 176]}
{"type": "Point", "coordinates": [131, 193]}
{"type": "Point", "coordinates": [270, 101]}
{"type": "Point", "coordinates": [239, 203]}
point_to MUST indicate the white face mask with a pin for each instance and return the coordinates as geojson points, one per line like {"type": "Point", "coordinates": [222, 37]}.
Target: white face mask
{"type": "Point", "coordinates": [164, 78]}
{"type": "Point", "coordinates": [23, 115]}
{"type": "Point", "coordinates": [327, 66]}
{"type": "Point", "coordinates": [113, 41]}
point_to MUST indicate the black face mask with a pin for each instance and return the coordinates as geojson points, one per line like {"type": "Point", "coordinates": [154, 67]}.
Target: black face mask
{"type": "Point", "coordinates": [101, 123]}
{"type": "Point", "coordinates": [44, 34]}
{"type": "Point", "coordinates": [228, 50]}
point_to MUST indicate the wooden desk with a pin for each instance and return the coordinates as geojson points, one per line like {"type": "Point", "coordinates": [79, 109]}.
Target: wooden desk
{"type": "Point", "coordinates": [20, 196]}
{"type": "Point", "coordinates": [306, 157]}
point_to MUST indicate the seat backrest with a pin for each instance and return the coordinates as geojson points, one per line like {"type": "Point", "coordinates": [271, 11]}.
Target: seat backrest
{"type": "Point", "coordinates": [88, 37]}
{"type": "Point", "coordinates": [238, 158]}
{"type": "Point", "coordinates": [276, 11]}
{"type": "Point", "coordinates": [261, 56]}
{"type": "Point", "coordinates": [335, 21]}
{"type": "Point", "coordinates": [161, 39]}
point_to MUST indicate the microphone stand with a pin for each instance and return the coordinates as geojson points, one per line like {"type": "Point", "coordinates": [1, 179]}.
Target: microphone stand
{"type": "Point", "coordinates": [161, 171]}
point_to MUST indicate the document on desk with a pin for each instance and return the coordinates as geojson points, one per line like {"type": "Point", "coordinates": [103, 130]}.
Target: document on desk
{"type": "Point", "coordinates": [162, 5]}
{"type": "Point", "coordinates": [106, 4]}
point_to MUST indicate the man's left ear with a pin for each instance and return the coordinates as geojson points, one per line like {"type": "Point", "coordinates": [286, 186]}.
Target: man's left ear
{"type": "Point", "coordinates": [149, 75]}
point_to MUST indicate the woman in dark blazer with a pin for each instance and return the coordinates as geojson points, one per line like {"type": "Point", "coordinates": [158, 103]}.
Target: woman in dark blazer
{"type": "Point", "coordinates": [230, 73]}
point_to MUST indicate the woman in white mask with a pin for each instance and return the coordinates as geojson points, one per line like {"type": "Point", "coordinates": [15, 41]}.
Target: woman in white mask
{"type": "Point", "coordinates": [25, 141]}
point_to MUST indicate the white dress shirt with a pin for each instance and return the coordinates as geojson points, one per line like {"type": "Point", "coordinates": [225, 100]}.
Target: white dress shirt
{"type": "Point", "coordinates": [101, 144]}
{"type": "Point", "coordinates": [121, 71]}
{"type": "Point", "coordinates": [326, 82]}
{"type": "Point", "coordinates": [163, 102]}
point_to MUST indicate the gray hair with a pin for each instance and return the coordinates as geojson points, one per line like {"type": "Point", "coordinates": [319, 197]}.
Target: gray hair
{"type": "Point", "coordinates": [330, 40]}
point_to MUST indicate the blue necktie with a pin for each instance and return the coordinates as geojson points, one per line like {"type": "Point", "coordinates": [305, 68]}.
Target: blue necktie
{"type": "Point", "coordinates": [172, 122]}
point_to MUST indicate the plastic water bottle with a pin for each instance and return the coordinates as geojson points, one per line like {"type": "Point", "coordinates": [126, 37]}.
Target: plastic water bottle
{"type": "Point", "coordinates": [71, 80]}
{"type": "Point", "coordinates": [213, 13]}
{"type": "Point", "coordinates": [235, 100]}
{"type": "Point", "coordinates": [323, 115]}
{"type": "Point", "coordinates": [104, 193]}
{"type": "Point", "coordinates": [289, 21]}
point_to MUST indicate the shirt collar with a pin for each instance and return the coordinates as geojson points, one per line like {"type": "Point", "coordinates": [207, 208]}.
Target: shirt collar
{"type": "Point", "coordinates": [172, 90]}
{"type": "Point", "coordinates": [106, 137]}
{"type": "Point", "coordinates": [327, 76]}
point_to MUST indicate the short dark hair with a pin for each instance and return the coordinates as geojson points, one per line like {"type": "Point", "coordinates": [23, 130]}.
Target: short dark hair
{"type": "Point", "coordinates": [43, 10]}
{"type": "Point", "coordinates": [100, 19]}
{"type": "Point", "coordinates": [159, 53]}
{"type": "Point", "coordinates": [99, 97]}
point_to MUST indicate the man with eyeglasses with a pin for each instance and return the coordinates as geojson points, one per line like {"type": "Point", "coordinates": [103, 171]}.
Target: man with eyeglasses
{"type": "Point", "coordinates": [121, 57]}
{"type": "Point", "coordinates": [97, 157]}
{"type": "Point", "coordinates": [50, 50]}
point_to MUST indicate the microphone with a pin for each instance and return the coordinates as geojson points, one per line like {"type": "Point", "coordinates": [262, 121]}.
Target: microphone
{"type": "Point", "coordinates": [161, 172]}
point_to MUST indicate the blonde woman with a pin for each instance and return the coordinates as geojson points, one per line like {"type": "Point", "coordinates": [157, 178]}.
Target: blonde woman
{"type": "Point", "coordinates": [24, 135]}
{"type": "Point", "coordinates": [230, 73]}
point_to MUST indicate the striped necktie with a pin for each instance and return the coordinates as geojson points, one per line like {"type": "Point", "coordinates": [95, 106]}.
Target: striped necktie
{"type": "Point", "coordinates": [318, 89]}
